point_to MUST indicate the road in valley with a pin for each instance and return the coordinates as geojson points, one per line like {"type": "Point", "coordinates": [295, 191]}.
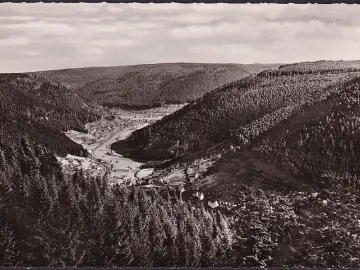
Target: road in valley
{"type": "Point", "coordinates": [98, 142]}
{"type": "Point", "coordinates": [120, 167]}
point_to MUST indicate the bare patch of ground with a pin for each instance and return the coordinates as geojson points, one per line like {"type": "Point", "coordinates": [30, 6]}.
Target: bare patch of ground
{"type": "Point", "coordinates": [71, 164]}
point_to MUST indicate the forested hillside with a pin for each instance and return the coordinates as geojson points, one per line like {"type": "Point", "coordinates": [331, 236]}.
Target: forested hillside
{"type": "Point", "coordinates": [33, 114]}
{"type": "Point", "coordinates": [83, 222]}
{"type": "Point", "coordinates": [77, 221]}
{"type": "Point", "coordinates": [272, 95]}
{"type": "Point", "coordinates": [286, 176]}
{"type": "Point", "coordinates": [144, 86]}
{"type": "Point", "coordinates": [310, 157]}
{"type": "Point", "coordinates": [51, 220]}
{"type": "Point", "coordinates": [320, 140]}
{"type": "Point", "coordinates": [291, 177]}
{"type": "Point", "coordinates": [298, 148]}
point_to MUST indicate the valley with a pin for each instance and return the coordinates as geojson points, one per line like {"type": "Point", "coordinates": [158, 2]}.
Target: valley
{"type": "Point", "coordinates": [179, 136]}
{"type": "Point", "coordinates": [117, 125]}
{"type": "Point", "coordinates": [266, 163]}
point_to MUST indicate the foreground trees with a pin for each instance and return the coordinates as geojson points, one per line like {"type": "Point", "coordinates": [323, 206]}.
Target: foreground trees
{"type": "Point", "coordinates": [78, 221]}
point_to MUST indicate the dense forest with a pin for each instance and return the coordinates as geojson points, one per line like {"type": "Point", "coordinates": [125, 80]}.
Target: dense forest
{"type": "Point", "coordinates": [236, 105]}
{"type": "Point", "coordinates": [145, 86]}
{"type": "Point", "coordinates": [322, 139]}
{"type": "Point", "coordinates": [33, 114]}
{"type": "Point", "coordinates": [49, 219]}
{"type": "Point", "coordinates": [286, 177]}
{"type": "Point", "coordinates": [80, 221]}
{"type": "Point", "coordinates": [297, 148]}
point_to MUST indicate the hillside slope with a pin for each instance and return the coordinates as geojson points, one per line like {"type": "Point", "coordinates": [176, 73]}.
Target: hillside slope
{"type": "Point", "coordinates": [143, 86]}
{"type": "Point", "coordinates": [218, 114]}
{"type": "Point", "coordinates": [320, 140]}
{"type": "Point", "coordinates": [314, 148]}
{"type": "Point", "coordinates": [289, 179]}
{"type": "Point", "coordinates": [33, 114]}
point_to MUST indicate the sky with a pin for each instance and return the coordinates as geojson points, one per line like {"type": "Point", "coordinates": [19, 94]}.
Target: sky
{"type": "Point", "coordinates": [54, 36]}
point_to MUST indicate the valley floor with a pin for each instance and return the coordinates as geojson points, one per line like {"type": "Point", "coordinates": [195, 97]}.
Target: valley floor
{"type": "Point", "coordinates": [102, 133]}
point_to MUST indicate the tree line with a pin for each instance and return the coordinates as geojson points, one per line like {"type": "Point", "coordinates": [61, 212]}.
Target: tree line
{"type": "Point", "coordinates": [214, 117]}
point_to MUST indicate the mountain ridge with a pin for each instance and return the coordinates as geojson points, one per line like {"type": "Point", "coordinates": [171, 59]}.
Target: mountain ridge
{"type": "Point", "coordinates": [307, 147]}
{"type": "Point", "coordinates": [232, 106]}
{"type": "Point", "coordinates": [148, 85]}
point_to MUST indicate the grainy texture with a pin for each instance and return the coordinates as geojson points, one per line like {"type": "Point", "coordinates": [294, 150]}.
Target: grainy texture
{"type": "Point", "coordinates": [144, 86]}
{"type": "Point", "coordinates": [262, 172]}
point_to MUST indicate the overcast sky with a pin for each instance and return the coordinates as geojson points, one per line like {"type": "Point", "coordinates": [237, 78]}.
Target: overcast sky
{"type": "Point", "coordinates": [53, 36]}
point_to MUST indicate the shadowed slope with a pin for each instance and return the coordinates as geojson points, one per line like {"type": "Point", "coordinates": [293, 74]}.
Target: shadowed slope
{"type": "Point", "coordinates": [144, 86]}
{"type": "Point", "coordinates": [214, 117]}
{"type": "Point", "coordinates": [33, 114]}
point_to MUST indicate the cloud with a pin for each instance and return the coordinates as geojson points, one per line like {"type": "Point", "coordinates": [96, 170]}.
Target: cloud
{"type": "Point", "coordinates": [113, 43]}
{"type": "Point", "coordinates": [41, 28]}
{"type": "Point", "coordinates": [241, 30]}
{"type": "Point", "coordinates": [51, 36]}
{"type": "Point", "coordinates": [90, 51]}
{"type": "Point", "coordinates": [14, 41]}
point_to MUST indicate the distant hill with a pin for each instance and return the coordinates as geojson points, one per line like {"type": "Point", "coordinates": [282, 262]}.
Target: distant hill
{"type": "Point", "coordinates": [33, 113]}
{"type": "Point", "coordinates": [261, 100]}
{"type": "Point", "coordinates": [144, 86]}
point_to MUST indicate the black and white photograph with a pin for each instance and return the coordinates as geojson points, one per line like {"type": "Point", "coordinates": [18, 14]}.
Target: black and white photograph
{"type": "Point", "coordinates": [179, 135]}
